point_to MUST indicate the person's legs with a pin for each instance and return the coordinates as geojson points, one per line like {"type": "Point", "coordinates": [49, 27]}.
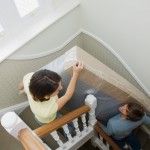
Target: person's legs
{"type": "Point", "coordinates": [121, 143]}
{"type": "Point", "coordinates": [133, 141]}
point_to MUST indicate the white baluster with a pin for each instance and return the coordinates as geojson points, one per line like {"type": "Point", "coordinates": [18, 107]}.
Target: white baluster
{"type": "Point", "coordinates": [107, 145]}
{"type": "Point", "coordinates": [13, 123]}
{"type": "Point", "coordinates": [84, 122]}
{"type": "Point", "coordinates": [102, 145]}
{"type": "Point", "coordinates": [91, 101]}
{"type": "Point", "coordinates": [66, 130]}
{"type": "Point", "coordinates": [75, 123]}
{"type": "Point", "coordinates": [101, 138]}
{"type": "Point", "coordinates": [55, 135]}
{"type": "Point", "coordinates": [47, 147]}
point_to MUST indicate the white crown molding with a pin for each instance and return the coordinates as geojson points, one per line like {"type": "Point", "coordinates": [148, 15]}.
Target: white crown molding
{"type": "Point", "coordinates": [119, 58]}
{"type": "Point", "coordinates": [18, 108]}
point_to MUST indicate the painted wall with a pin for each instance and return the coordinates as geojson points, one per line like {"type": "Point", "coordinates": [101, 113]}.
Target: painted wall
{"type": "Point", "coordinates": [51, 38]}
{"type": "Point", "coordinates": [54, 37]}
{"type": "Point", "coordinates": [12, 72]}
{"type": "Point", "coordinates": [116, 34]}
{"type": "Point", "coordinates": [124, 25]}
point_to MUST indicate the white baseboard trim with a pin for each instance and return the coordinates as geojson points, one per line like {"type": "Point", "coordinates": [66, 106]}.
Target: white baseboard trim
{"type": "Point", "coordinates": [18, 108]}
{"type": "Point", "coordinates": [119, 58]}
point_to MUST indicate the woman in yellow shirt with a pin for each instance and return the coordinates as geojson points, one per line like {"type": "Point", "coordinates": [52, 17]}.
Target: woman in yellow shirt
{"type": "Point", "coordinates": [42, 88]}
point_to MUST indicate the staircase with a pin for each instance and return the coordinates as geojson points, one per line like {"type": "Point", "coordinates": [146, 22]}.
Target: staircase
{"type": "Point", "coordinates": [84, 130]}
{"type": "Point", "coordinates": [18, 129]}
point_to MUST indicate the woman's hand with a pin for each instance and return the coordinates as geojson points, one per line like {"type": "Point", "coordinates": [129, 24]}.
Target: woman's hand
{"type": "Point", "coordinates": [77, 68]}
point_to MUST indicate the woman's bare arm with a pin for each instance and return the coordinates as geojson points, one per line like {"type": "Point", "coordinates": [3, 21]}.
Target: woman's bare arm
{"type": "Point", "coordinates": [77, 68]}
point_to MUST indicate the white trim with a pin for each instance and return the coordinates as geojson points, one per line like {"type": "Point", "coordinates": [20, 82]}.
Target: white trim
{"type": "Point", "coordinates": [18, 108]}
{"type": "Point", "coordinates": [119, 58]}
{"type": "Point", "coordinates": [79, 140]}
{"type": "Point", "coordinates": [33, 56]}
{"type": "Point", "coordinates": [27, 36]}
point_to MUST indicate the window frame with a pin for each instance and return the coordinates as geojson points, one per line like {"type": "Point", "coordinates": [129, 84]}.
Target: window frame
{"type": "Point", "coordinates": [24, 14]}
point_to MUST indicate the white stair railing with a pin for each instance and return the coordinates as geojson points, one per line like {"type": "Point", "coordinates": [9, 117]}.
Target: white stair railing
{"type": "Point", "coordinates": [13, 125]}
{"type": "Point", "coordinates": [67, 132]}
{"type": "Point", "coordinates": [87, 131]}
{"type": "Point", "coordinates": [91, 101]}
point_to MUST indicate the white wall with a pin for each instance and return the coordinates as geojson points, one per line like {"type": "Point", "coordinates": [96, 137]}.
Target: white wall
{"type": "Point", "coordinates": [18, 31]}
{"type": "Point", "coordinates": [125, 26]}
{"type": "Point", "coordinates": [51, 38]}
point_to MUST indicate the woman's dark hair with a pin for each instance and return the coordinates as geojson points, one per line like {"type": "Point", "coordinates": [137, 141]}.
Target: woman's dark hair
{"type": "Point", "coordinates": [43, 83]}
{"type": "Point", "coordinates": [135, 111]}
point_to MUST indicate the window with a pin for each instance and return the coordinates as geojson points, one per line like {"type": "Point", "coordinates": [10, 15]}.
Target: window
{"type": "Point", "coordinates": [25, 7]}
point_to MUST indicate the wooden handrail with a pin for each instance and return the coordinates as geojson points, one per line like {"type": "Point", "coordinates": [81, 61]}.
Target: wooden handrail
{"type": "Point", "coordinates": [29, 140]}
{"type": "Point", "coordinates": [57, 123]}
{"type": "Point", "coordinates": [101, 132]}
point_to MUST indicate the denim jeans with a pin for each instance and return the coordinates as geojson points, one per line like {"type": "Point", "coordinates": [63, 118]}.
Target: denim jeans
{"type": "Point", "coordinates": [131, 140]}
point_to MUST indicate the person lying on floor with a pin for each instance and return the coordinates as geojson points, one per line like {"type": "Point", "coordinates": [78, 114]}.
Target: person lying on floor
{"type": "Point", "coordinates": [121, 126]}
{"type": "Point", "coordinates": [42, 88]}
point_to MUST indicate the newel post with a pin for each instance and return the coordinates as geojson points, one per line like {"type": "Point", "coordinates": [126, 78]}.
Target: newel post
{"type": "Point", "coordinates": [91, 101]}
{"type": "Point", "coordinates": [12, 123]}
{"type": "Point", "coordinates": [15, 126]}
